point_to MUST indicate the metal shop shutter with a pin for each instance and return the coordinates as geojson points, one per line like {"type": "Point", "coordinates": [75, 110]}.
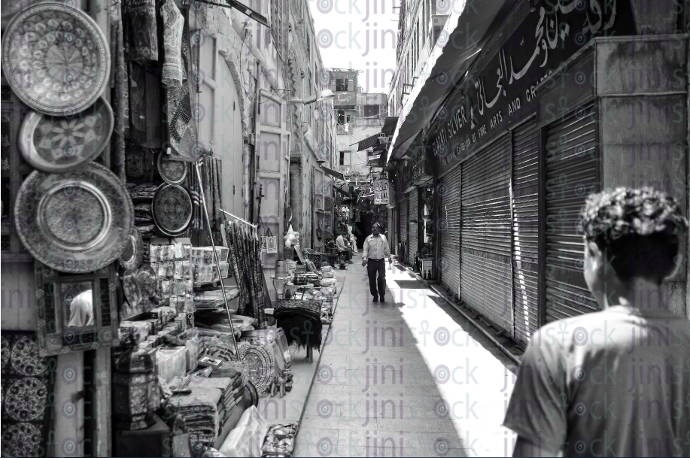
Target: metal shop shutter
{"type": "Point", "coordinates": [525, 216]}
{"type": "Point", "coordinates": [403, 225]}
{"type": "Point", "coordinates": [572, 161]}
{"type": "Point", "coordinates": [486, 277]}
{"type": "Point", "coordinates": [413, 231]}
{"type": "Point", "coordinates": [449, 192]}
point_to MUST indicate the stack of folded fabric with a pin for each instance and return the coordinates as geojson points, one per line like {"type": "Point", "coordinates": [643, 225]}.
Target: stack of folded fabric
{"type": "Point", "coordinates": [232, 390]}
{"type": "Point", "coordinates": [200, 412]}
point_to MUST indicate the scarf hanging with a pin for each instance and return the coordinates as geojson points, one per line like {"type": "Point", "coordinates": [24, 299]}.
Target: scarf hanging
{"type": "Point", "coordinates": [197, 224]}
{"type": "Point", "coordinates": [234, 265]}
{"type": "Point", "coordinates": [144, 106]}
{"type": "Point", "coordinates": [140, 30]}
{"type": "Point", "coordinates": [182, 132]}
{"type": "Point", "coordinates": [119, 75]}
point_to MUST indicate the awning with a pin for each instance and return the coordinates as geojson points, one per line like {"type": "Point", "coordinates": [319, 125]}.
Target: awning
{"type": "Point", "coordinates": [368, 142]}
{"type": "Point", "coordinates": [389, 125]}
{"type": "Point", "coordinates": [333, 173]}
{"type": "Point", "coordinates": [448, 65]}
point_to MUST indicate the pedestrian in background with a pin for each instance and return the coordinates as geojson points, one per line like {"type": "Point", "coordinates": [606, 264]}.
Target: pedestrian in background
{"type": "Point", "coordinates": [613, 382]}
{"type": "Point", "coordinates": [342, 245]}
{"type": "Point", "coordinates": [353, 239]}
{"type": "Point", "coordinates": [374, 252]}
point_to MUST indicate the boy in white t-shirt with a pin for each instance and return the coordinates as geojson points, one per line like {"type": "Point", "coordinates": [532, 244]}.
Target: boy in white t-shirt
{"type": "Point", "coordinates": [614, 382]}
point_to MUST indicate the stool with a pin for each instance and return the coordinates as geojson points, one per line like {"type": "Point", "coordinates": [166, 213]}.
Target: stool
{"type": "Point", "coordinates": [427, 269]}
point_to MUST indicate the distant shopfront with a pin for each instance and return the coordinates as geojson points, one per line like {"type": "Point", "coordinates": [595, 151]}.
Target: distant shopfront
{"type": "Point", "coordinates": [564, 106]}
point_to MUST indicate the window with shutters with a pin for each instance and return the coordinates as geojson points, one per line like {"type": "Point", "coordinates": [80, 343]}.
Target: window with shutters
{"type": "Point", "coordinates": [277, 24]}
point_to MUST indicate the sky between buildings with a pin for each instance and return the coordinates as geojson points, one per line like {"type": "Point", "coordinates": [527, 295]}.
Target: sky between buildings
{"type": "Point", "coordinates": [358, 34]}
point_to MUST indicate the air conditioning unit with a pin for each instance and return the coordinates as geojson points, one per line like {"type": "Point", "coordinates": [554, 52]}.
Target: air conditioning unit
{"type": "Point", "coordinates": [439, 20]}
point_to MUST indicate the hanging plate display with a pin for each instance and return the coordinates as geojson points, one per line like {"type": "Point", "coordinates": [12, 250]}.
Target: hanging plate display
{"type": "Point", "coordinates": [172, 171]}
{"type": "Point", "coordinates": [133, 252]}
{"type": "Point", "coordinates": [58, 144]}
{"type": "Point", "coordinates": [260, 366]}
{"type": "Point", "coordinates": [172, 209]}
{"type": "Point", "coordinates": [74, 222]}
{"type": "Point", "coordinates": [56, 59]}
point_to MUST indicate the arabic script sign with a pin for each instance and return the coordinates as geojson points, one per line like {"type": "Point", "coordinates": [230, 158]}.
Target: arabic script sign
{"type": "Point", "coordinates": [505, 89]}
{"type": "Point", "coordinates": [381, 192]}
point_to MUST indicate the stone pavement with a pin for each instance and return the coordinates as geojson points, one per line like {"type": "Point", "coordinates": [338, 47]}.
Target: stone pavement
{"type": "Point", "coordinates": [410, 377]}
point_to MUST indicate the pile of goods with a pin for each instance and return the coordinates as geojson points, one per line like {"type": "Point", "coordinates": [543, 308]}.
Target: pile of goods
{"type": "Point", "coordinates": [280, 440]}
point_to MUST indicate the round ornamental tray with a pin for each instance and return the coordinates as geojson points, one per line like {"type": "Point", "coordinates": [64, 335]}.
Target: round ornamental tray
{"type": "Point", "coordinates": [172, 209]}
{"type": "Point", "coordinates": [260, 366]}
{"type": "Point", "coordinates": [133, 252]}
{"type": "Point", "coordinates": [74, 222]}
{"type": "Point", "coordinates": [57, 144]}
{"type": "Point", "coordinates": [55, 58]}
{"type": "Point", "coordinates": [172, 171]}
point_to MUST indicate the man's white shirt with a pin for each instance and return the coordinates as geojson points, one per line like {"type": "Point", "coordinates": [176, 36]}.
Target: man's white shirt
{"type": "Point", "coordinates": [376, 248]}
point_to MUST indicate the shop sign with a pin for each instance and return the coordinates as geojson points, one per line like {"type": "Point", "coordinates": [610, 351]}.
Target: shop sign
{"type": "Point", "coordinates": [381, 192]}
{"type": "Point", "coordinates": [345, 98]}
{"type": "Point", "coordinates": [505, 90]}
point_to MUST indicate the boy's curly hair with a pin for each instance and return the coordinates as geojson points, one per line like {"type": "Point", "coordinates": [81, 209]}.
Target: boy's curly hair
{"type": "Point", "coordinates": [639, 230]}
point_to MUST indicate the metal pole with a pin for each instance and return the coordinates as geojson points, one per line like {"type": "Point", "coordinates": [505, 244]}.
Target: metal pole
{"type": "Point", "coordinates": [215, 256]}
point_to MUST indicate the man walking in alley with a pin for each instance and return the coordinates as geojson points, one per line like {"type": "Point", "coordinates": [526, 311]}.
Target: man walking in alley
{"type": "Point", "coordinates": [614, 382]}
{"type": "Point", "coordinates": [374, 252]}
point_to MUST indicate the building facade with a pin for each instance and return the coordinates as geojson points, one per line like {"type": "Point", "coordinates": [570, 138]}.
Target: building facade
{"type": "Point", "coordinates": [552, 105]}
{"type": "Point", "coordinates": [313, 131]}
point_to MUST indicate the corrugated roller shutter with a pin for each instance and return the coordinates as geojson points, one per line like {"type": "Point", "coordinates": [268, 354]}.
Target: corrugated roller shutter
{"type": "Point", "coordinates": [486, 279]}
{"type": "Point", "coordinates": [572, 160]}
{"type": "Point", "coordinates": [448, 191]}
{"type": "Point", "coordinates": [403, 225]}
{"type": "Point", "coordinates": [414, 225]}
{"type": "Point", "coordinates": [525, 207]}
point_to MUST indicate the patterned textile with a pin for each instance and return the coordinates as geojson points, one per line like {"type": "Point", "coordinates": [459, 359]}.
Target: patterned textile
{"type": "Point", "coordinates": [182, 133]}
{"type": "Point", "coordinates": [173, 25]}
{"type": "Point", "coordinates": [140, 32]}
{"type": "Point", "coordinates": [27, 396]}
{"type": "Point", "coordinates": [301, 322]}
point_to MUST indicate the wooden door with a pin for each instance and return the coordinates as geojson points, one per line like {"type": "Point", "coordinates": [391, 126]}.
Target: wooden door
{"type": "Point", "coordinates": [273, 158]}
{"type": "Point", "coordinates": [218, 113]}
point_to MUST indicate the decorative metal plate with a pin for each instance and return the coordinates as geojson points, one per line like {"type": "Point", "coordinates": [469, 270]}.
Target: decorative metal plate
{"type": "Point", "coordinates": [172, 171]}
{"type": "Point", "coordinates": [134, 251]}
{"type": "Point", "coordinates": [74, 222]}
{"type": "Point", "coordinates": [261, 366]}
{"type": "Point", "coordinates": [56, 59]}
{"type": "Point", "coordinates": [172, 209]}
{"type": "Point", "coordinates": [57, 144]}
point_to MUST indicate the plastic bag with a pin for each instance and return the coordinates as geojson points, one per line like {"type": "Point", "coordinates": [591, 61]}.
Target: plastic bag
{"type": "Point", "coordinates": [171, 362]}
{"type": "Point", "coordinates": [248, 436]}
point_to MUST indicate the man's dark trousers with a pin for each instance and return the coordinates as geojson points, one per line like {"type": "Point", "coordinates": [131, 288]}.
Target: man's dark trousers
{"type": "Point", "coordinates": [373, 267]}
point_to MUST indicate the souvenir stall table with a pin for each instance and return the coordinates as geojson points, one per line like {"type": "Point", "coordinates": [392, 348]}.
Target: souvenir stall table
{"type": "Point", "coordinates": [120, 210]}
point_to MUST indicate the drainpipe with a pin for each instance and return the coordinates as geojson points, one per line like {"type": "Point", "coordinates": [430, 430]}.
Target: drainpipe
{"type": "Point", "coordinates": [686, 24]}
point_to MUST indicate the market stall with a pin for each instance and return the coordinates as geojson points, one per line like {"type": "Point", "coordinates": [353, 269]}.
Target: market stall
{"type": "Point", "coordinates": [139, 274]}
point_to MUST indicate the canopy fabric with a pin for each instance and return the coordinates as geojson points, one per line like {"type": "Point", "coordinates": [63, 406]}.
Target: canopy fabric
{"type": "Point", "coordinates": [368, 142]}
{"type": "Point", "coordinates": [333, 173]}
{"type": "Point", "coordinates": [447, 65]}
{"type": "Point", "coordinates": [389, 125]}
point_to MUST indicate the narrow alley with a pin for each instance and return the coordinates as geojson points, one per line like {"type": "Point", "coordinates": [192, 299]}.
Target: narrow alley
{"type": "Point", "coordinates": [409, 377]}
